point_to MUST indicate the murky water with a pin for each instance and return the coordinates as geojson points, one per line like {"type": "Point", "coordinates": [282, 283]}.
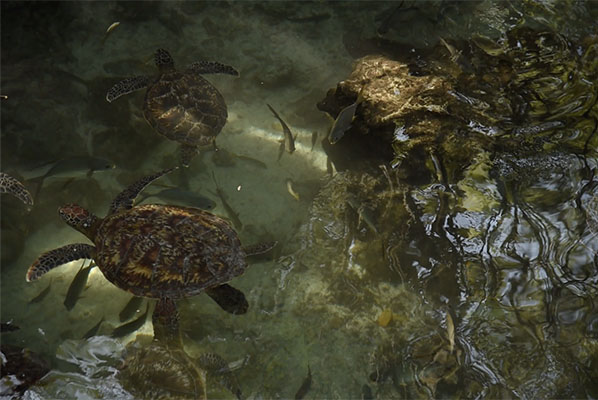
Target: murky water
{"type": "Point", "coordinates": [445, 246]}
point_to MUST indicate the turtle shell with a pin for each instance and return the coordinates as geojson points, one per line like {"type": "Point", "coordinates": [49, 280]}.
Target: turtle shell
{"type": "Point", "coordinates": [185, 107]}
{"type": "Point", "coordinates": [158, 372]}
{"type": "Point", "coordinates": [168, 251]}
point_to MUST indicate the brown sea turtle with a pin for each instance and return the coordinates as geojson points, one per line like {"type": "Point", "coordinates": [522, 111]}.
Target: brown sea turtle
{"type": "Point", "coordinates": [157, 251]}
{"type": "Point", "coordinates": [8, 184]}
{"type": "Point", "coordinates": [181, 105]}
{"type": "Point", "coordinates": [158, 371]}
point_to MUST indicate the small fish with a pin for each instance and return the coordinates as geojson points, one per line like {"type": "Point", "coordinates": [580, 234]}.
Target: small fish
{"type": "Point", "coordinates": [232, 214]}
{"type": "Point", "coordinates": [304, 388]}
{"type": "Point", "coordinates": [251, 160]}
{"type": "Point", "coordinates": [450, 331]}
{"type": "Point", "coordinates": [94, 330]}
{"type": "Point", "coordinates": [3, 97]}
{"type": "Point", "coordinates": [131, 308]}
{"type": "Point", "coordinates": [329, 166]}
{"type": "Point", "coordinates": [109, 30]}
{"type": "Point", "coordinates": [129, 327]}
{"type": "Point", "coordinates": [112, 27]}
{"type": "Point", "coordinates": [77, 285]}
{"type": "Point", "coordinates": [8, 327]}
{"type": "Point", "coordinates": [225, 158]}
{"type": "Point", "coordinates": [314, 139]}
{"type": "Point", "coordinates": [457, 56]}
{"type": "Point", "coordinates": [289, 141]}
{"type": "Point", "coordinates": [365, 213]}
{"type": "Point", "coordinates": [310, 18]}
{"type": "Point", "coordinates": [70, 168]}
{"type": "Point", "coordinates": [343, 120]}
{"type": "Point", "coordinates": [182, 196]}
{"type": "Point", "coordinates": [451, 49]}
{"type": "Point", "coordinates": [41, 294]}
{"type": "Point", "coordinates": [290, 189]}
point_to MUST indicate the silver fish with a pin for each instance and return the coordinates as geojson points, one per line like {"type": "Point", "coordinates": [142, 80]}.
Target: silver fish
{"type": "Point", "coordinates": [131, 308]}
{"type": "Point", "coordinates": [77, 285]}
{"type": "Point", "coordinates": [182, 197]}
{"type": "Point", "coordinates": [343, 120]}
{"type": "Point", "coordinates": [129, 327]}
{"type": "Point", "coordinates": [72, 167]}
{"type": "Point", "coordinates": [289, 140]}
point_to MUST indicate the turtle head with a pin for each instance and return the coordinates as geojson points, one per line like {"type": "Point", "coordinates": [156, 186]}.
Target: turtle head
{"type": "Point", "coordinates": [79, 218]}
{"type": "Point", "coordinates": [163, 60]}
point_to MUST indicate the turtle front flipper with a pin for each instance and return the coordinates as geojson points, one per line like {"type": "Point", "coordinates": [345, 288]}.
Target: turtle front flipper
{"type": "Point", "coordinates": [127, 86]}
{"type": "Point", "coordinates": [230, 299]}
{"type": "Point", "coordinates": [218, 369]}
{"type": "Point", "coordinates": [212, 67]}
{"type": "Point", "coordinates": [259, 248]}
{"type": "Point", "coordinates": [55, 258]}
{"type": "Point", "coordinates": [124, 200]}
{"type": "Point", "coordinates": [166, 322]}
{"type": "Point", "coordinates": [8, 184]}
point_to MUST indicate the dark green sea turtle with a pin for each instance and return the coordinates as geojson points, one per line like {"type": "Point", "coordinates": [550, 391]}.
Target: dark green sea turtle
{"type": "Point", "coordinates": [181, 105]}
{"type": "Point", "coordinates": [157, 251]}
{"type": "Point", "coordinates": [8, 184]}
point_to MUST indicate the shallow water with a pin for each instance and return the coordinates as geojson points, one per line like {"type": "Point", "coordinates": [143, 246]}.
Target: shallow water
{"type": "Point", "coordinates": [451, 253]}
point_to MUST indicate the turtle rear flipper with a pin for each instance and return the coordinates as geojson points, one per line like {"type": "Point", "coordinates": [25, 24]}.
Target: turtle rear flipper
{"type": "Point", "coordinates": [259, 248]}
{"type": "Point", "coordinates": [230, 299]}
{"type": "Point", "coordinates": [124, 200]}
{"type": "Point", "coordinates": [55, 258]}
{"type": "Point", "coordinates": [217, 369]}
{"type": "Point", "coordinates": [8, 184]}
{"type": "Point", "coordinates": [187, 153]}
{"type": "Point", "coordinates": [166, 322]}
{"type": "Point", "coordinates": [212, 67]}
{"type": "Point", "coordinates": [127, 86]}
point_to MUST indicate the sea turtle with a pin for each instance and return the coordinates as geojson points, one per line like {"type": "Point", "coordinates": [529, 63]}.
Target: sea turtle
{"type": "Point", "coordinates": [181, 105]}
{"type": "Point", "coordinates": [157, 251]}
{"type": "Point", "coordinates": [8, 184]}
{"type": "Point", "coordinates": [158, 371]}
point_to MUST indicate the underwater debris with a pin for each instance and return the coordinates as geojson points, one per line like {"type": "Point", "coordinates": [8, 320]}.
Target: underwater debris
{"type": "Point", "coordinates": [385, 317]}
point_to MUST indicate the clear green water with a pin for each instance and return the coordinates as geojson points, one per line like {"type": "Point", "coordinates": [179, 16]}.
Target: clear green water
{"type": "Point", "coordinates": [485, 253]}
